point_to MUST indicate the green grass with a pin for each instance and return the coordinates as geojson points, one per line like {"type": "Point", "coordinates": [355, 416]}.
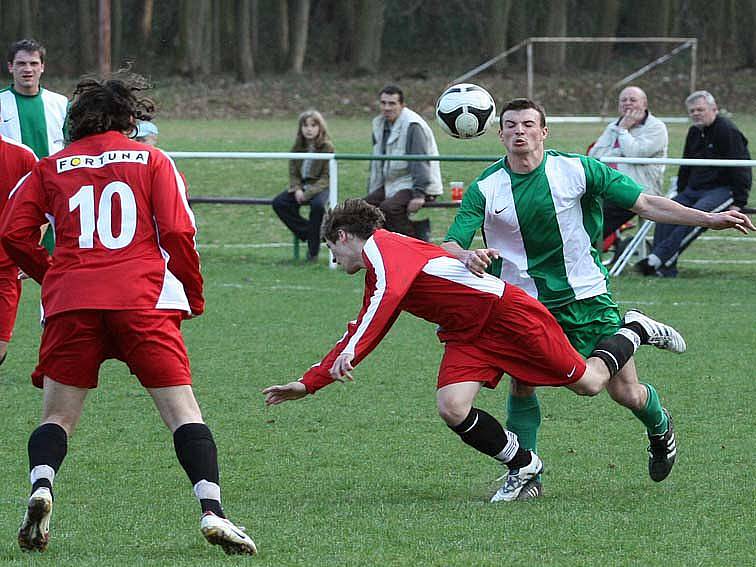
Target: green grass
{"type": "Point", "coordinates": [366, 473]}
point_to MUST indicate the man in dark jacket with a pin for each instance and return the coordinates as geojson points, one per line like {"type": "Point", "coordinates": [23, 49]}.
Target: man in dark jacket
{"type": "Point", "coordinates": [707, 188]}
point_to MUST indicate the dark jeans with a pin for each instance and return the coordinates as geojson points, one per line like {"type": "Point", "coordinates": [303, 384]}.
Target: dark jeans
{"type": "Point", "coordinates": [395, 209]}
{"type": "Point", "coordinates": [287, 209]}
{"type": "Point", "coordinates": [670, 239]}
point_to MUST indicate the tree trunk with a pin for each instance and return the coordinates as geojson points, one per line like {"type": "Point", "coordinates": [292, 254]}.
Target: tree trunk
{"type": "Point", "coordinates": [283, 33]}
{"type": "Point", "coordinates": [368, 33]}
{"type": "Point", "coordinates": [116, 32]}
{"type": "Point", "coordinates": [600, 54]}
{"type": "Point", "coordinates": [245, 64]}
{"type": "Point", "coordinates": [554, 55]}
{"type": "Point", "coordinates": [495, 29]}
{"type": "Point", "coordinates": [193, 19]}
{"type": "Point", "coordinates": [87, 16]}
{"type": "Point", "coordinates": [145, 21]}
{"type": "Point", "coordinates": [299, 27]}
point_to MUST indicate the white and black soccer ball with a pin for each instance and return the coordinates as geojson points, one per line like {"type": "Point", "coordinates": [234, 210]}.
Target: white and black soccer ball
{"type": "Point", "coordinates": [465, 111]}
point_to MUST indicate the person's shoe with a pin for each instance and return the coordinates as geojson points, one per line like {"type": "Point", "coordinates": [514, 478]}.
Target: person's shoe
{"type": "Point", "coordinates": [34, 533]}
{"type": "Point", "coordinates": [662, 451]}
{"type": "Point", "coordinates": [532, 490]}
{"type": "Point", "coordinates": [220, 531]}
{"type": "Point", "coordinates": [517, 480]}
{"type": "Point", "coordinates": [644, 268]}
{"type": "Point", "coordinates": [659, 335]}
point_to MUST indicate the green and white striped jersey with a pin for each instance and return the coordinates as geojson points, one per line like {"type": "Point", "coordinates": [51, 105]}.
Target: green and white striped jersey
{"type": "Point", "coordinates": [37, 121]}
{"type": "Point", "coordinates": [544, 223]}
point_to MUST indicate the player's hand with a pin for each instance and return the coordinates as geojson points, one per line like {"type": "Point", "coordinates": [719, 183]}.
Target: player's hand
{"type": "Point", "coordinates": [280, 394]}
{"type": "Point", "coordinates": [478, 260]}
{"type": "Point", "coordinates": [415, 204]}
{"type": "Point", "coordinates": [342, 367]}
{"type": "Point", "coordinates": [731, 219]}
{"type": "Point", "coordinates": [299, 195]}
{"type": "Point", "coordinates": [22, 275]}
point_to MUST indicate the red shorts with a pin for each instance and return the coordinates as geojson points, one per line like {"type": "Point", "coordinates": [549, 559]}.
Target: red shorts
{"type": "Point", "coordinates": [522, 339]}
{"type": "Point", "coordinates": [10, 293]}
{"type": "Point", "coordinates": [149, 341]}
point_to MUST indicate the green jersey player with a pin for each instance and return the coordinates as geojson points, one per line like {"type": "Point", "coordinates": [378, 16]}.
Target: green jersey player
{"type": "Point", "coordinates": [29, 113]}
{"type": "Point", "coordinates": [539, 212]}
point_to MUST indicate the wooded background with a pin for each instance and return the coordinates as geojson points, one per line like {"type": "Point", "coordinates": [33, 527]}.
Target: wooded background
{"type": "Point", "coordinates": [245, 38]}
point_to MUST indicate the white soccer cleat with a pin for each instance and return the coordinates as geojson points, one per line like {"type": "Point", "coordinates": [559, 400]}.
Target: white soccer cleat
{"type": "Point", "coordinates": [34, 533]}
{"type": "Point", "coordinates": [517, 480]}
{"type": "Point", "coordinates": [659, 335]}
{"type": "Point", "coordinates": [220, 531]}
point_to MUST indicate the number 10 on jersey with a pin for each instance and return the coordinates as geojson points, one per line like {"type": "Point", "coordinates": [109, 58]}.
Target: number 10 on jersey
{"type": "Point", "coordinates": [84, 200]}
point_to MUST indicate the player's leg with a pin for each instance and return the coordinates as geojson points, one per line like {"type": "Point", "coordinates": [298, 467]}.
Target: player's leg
{"type": "Point", "coordinates": [150, 342]}
{"type": "Point", "coordinates": [70, 355]}
{"type": "Point", "coordinates": [198, 456]}
{"type": "Point", "coordinates": [48, 445]}
{"type": "Point", "coordinates": [643, 400]}
{"type": "Point", "coordinates": [478, 428]}
{"type": "Point", "coordinates": [524, 420]}
{"type": "Point", "coordinates": [10, 293]}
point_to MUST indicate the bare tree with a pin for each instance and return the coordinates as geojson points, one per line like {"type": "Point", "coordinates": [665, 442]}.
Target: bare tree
{"type": "Point", "coordinates": [368, 34]}
{"type": "Point", "coordinates": [299, 25]}
{"type": "Point", "coordinates": [245, 63]}
{"type": "Point", "coordinates": [87, 17]}
{"type": "Point", "coordinates": [495, 28]}
{"type": "Point", "coordinates": [194, 17]}
{"type": "Point", "coordinates": [554, 56]}
{"type": "Point", "coordinates": [283, 33]}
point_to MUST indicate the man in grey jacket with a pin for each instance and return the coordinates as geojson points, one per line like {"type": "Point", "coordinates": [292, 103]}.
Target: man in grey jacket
{"type": "Point", "coordinates": [636, 133]}
{"type": "Point", "coordinates": [401, 187]}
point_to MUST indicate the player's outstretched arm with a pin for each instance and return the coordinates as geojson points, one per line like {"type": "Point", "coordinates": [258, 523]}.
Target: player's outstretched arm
{"type": "Point", "coordinates": [661, 209]}
{"type": "Point", "coordinates": [280, 394]}
{"type": "Point", "coordinates": [474, 260]}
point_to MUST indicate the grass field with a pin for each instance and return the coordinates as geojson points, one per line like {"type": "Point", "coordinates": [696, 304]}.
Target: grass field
{"type": "Point", "coordinates": [366, 473]}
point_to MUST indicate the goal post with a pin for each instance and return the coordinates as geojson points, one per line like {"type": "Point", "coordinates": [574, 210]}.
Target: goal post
{"type": "Point", "coordinates": [682, 44]}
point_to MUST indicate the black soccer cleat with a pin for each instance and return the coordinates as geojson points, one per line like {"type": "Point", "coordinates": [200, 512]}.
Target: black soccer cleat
{"type": "Point", "coordinates": [662, 451]}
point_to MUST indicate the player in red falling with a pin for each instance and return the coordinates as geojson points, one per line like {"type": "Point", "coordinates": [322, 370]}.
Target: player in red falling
{"type": "Point", "coordinates": [488, 327]}
{"type": "Point", "coordinates": [124, 274]}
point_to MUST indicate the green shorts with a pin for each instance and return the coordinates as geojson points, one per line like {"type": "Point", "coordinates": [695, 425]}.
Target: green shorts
{"type": "Point", "coordinates": [587, 321]}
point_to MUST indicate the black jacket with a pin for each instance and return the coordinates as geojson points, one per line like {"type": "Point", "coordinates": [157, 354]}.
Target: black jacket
{"type": "Point", "coordinates": [720, 140]}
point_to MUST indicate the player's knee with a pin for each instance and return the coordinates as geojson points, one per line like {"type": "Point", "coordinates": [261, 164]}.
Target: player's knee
{"type": "Point", "coordinates": [453, 411]}
{"type": "Point", "coordinates": [587, 386]}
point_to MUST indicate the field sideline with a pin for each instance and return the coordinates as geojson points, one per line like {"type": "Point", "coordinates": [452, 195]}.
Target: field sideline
{"type": "Point", "coordinates": [366, 473]}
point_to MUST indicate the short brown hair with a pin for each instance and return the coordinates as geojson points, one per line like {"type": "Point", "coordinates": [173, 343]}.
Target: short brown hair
{"type": "Point", "coordinates": [522, 104]}
{"type": "Point", "coordinates": [354, 216]}
{"type": "Point", "coordinates": [28, 45]}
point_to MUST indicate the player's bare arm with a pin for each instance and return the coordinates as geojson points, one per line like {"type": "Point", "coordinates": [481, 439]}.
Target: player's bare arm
{"type": "Point", "coordinates": [474, 260]}
{"type": "Point", "coordinates": [663, 210]}
{"type": "Point", "coordinates": [279, 394]}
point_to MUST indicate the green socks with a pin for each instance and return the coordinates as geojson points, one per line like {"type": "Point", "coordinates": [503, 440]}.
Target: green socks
{"type": "Point", "coordinates": [524, 419]}
{"type": "Point", "coordinates": [652, 415]}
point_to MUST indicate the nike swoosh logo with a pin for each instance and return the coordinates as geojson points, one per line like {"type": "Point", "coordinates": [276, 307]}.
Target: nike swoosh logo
{"type": "Point", "coordinates": [571, 373]}
{"type": "Point", "coordinates": [499, 211]}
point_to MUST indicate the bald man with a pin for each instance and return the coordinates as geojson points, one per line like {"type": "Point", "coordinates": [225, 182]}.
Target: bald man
{"type": "Point", "coordinates": [636, 133]}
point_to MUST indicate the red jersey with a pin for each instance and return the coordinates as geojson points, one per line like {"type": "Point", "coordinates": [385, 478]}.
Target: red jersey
{"type": "Point", "coordinates": [16, 160]}
{"type": "Point", "coordinates": [124, 231]}
{"type": "Point", "coordinates": [404, 274]}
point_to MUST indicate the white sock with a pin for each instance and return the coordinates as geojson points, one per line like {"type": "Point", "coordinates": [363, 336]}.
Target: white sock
{"type": "Point", "coordinates": [206, 490]}
{"type": "Point", "coordinates": [42, 471]}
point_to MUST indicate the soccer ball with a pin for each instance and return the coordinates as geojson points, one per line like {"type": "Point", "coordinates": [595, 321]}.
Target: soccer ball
{"type": "Point", "coordinates": [465, 111]}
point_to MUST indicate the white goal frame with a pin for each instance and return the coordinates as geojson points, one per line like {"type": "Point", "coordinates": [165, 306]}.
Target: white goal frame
{"type": "Point", "coordinates": [683, 43]}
